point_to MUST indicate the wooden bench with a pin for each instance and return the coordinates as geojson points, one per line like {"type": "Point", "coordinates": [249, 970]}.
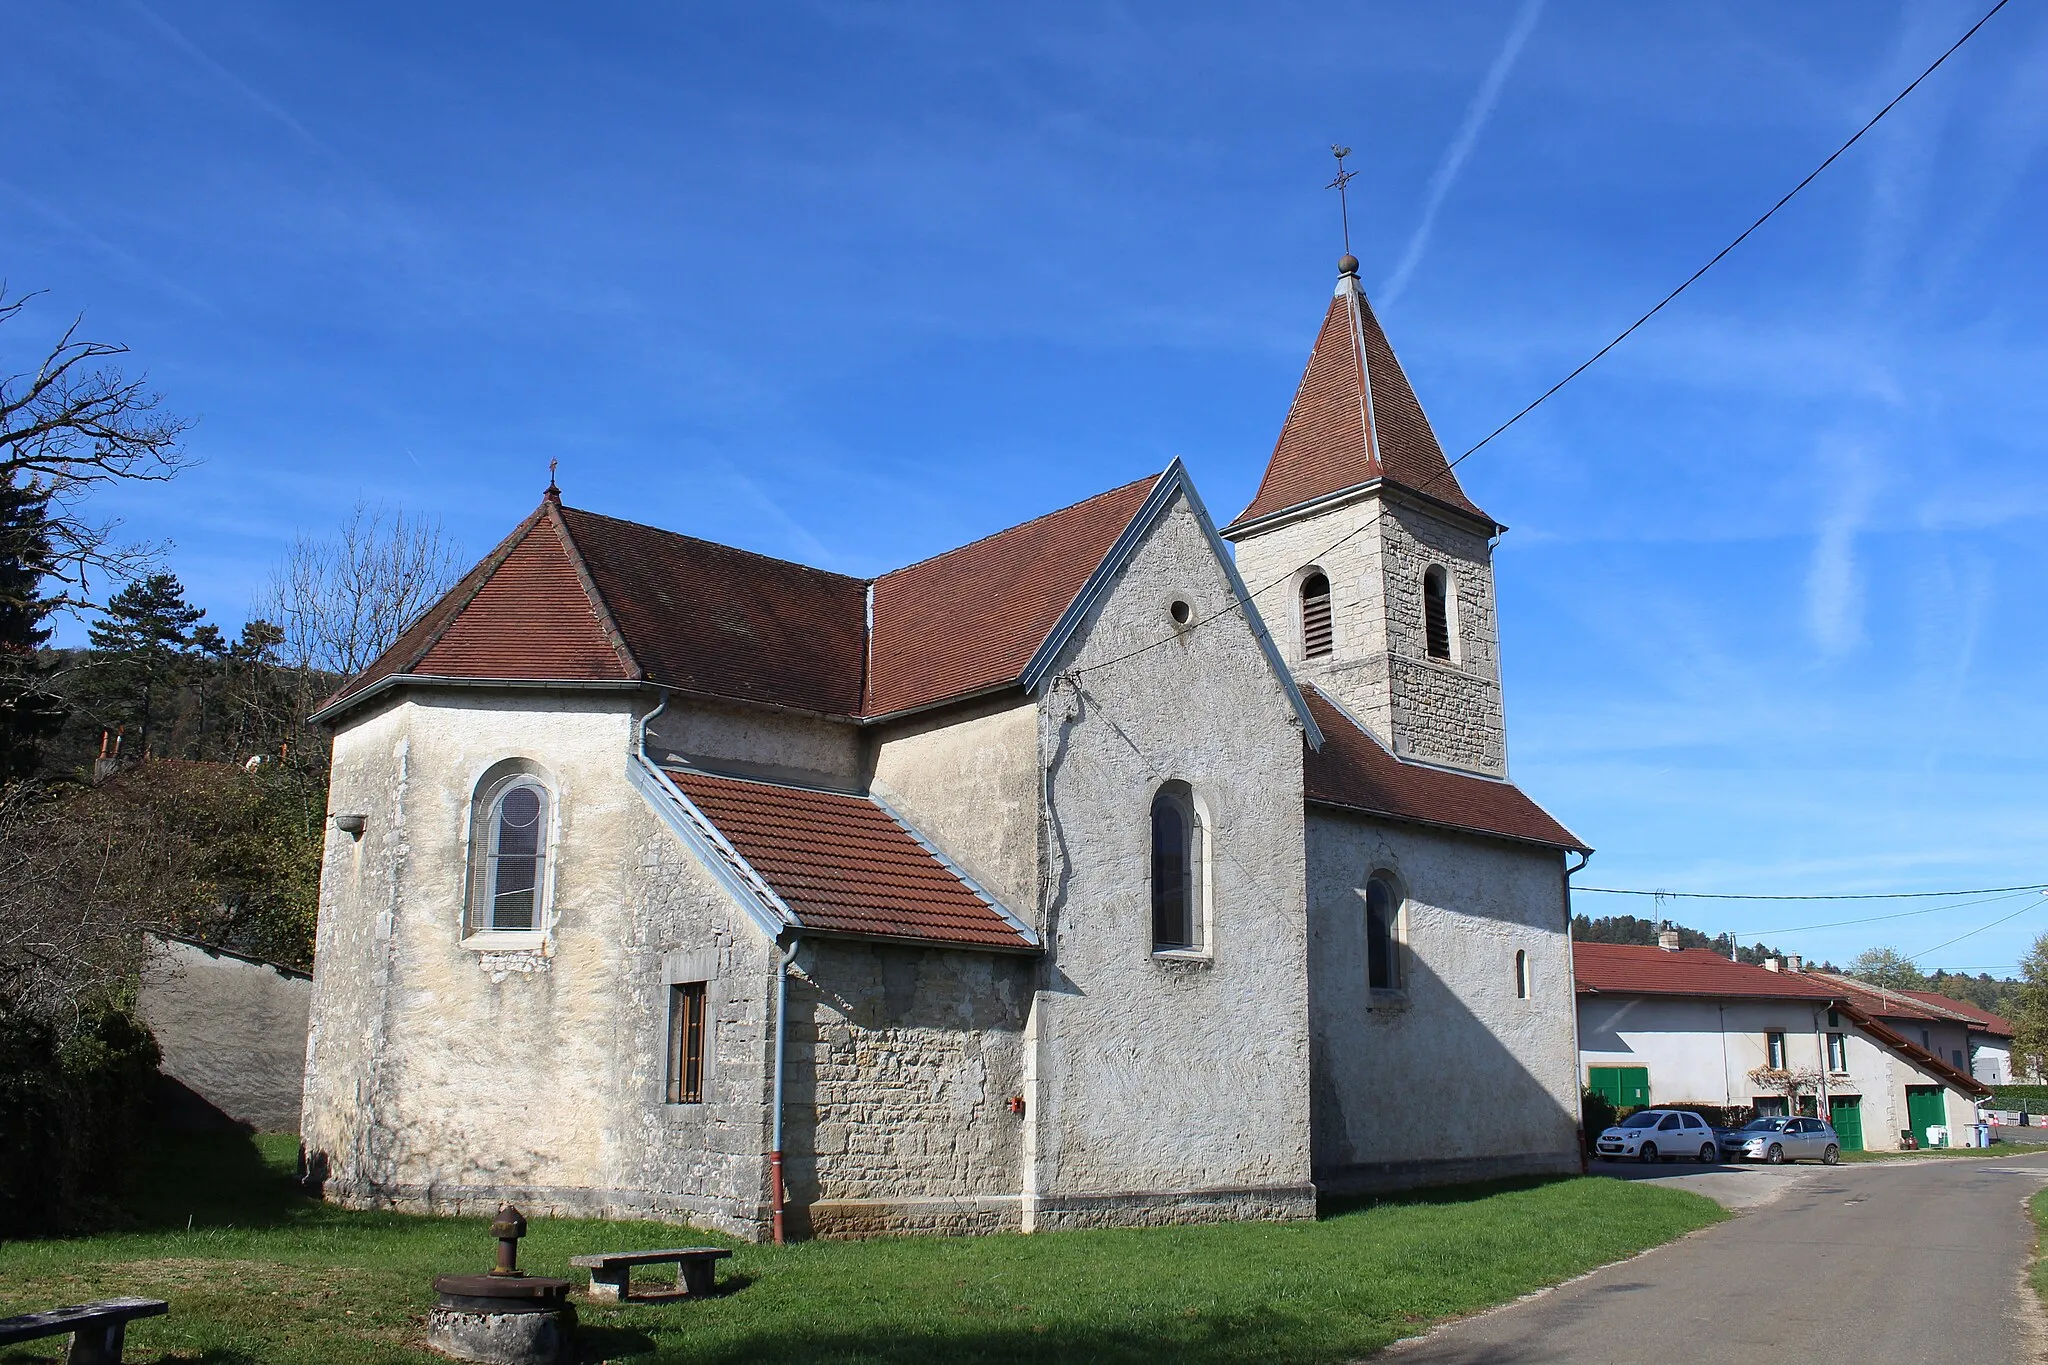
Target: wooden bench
{"type": "Point", "coordinates": [611, 1273]}
{"type": "Point", "coordinates": [98, 1331]}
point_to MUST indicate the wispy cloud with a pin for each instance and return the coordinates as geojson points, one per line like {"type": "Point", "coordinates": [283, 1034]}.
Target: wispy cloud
{"type": "Point", "coordinates": [127, 259]}
{"type": "Point", "coordinates": [1476, 115]}
{"type": "Point", "coordinates": [247, 91]}
{"type": "Point", "coordinates": [1834, 588]}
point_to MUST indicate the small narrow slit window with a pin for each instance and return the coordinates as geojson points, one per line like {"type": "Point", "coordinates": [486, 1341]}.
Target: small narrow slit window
{"type": "Point", "coordinates": [686, 1043]}
{"type": "Point", "coordinates": [1177, 855]}
{"type": "Point", "coordinates": [1382, 937]}
{"type": "Point", "coordinates": [1318, 637]}
{"type": "Point", "coordinates": [1436, 611]}
{"type": "Point", "coordinates": [1521, 974]}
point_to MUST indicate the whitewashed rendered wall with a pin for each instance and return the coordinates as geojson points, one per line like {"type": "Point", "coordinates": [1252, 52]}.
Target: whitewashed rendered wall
{"type": "Point", "coordinates": [1452, 1076]}
{"type": "Point", "coordinates": [1374, 550]}
{"type": "Point", "coordinates": [968, 778]}
{"type": "Point", "coordinates": [776, 745]}
{"type": "Point", "coordinates": [446, 1074]}
{"type": "Point", "coordinates": [232, 1030]}
{"type": "Point", "coordinates": [1170, 1089]}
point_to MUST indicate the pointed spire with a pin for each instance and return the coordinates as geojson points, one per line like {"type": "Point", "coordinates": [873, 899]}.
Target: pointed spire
{"type": "Point", "coordinates": [553, 493]}
{"type": "Point", "coordinates": [1354, 418]}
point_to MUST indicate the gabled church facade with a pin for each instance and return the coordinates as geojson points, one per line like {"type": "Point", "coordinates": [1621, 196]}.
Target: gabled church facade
{"type": "Point", "coordinates": [1058, 880]}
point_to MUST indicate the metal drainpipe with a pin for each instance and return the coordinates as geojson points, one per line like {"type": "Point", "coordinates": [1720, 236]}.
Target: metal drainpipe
{"type": "Point", "coordinates": [775, 1187]}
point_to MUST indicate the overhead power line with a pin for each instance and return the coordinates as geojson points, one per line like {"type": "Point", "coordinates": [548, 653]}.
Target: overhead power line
{"type": "Point", "coordinates": [1742, 237]}
{"type": "Point", "coordinates": [1845, 896]}
{"type": "Point", "coordinates": [1690, 280]}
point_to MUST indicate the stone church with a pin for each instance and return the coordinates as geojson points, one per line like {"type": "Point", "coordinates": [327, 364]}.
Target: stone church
{"type": "Point", "coordinates": [1113, 869]}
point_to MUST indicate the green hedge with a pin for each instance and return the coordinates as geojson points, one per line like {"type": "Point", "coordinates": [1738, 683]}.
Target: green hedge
{"type": "Point", "coordinates": [70, 1114]}
{"type": "Point", "coordinates": [2033, 1098]}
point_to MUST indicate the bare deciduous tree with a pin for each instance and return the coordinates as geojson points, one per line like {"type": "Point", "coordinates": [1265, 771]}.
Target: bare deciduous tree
{"type": "Point", "coordinates": [342, 599]}
{"type": "Point", "coordinates": [70, 424]}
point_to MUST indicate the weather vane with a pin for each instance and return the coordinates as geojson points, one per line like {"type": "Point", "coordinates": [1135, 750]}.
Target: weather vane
{"type": "Point", "coordinates": [552, 489]}
{"type": "Point", "coordinates": [1343, 201]}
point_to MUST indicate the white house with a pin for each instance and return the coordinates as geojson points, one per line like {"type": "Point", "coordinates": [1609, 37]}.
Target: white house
{"type": "Point", "coordinates": [1669, 1026]}
{"type": "Point", "coordinates": [1041, 883]}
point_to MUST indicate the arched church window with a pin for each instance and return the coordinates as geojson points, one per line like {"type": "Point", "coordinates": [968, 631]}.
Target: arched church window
{"type": "Point", "coordinates": [1317, 636]}
{"type": "Point", "coordinates": [508, 864]}
{"type": "Point", "coordinates": [1177, 855]}
{"type": "Point", "coordinates": [1382, 936]}
{"type": "Point", "coordinates": [1436, 610]}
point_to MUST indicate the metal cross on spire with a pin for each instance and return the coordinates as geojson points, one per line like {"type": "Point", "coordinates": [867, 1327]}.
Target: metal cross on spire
{"type": "Point", "coordinates": [1344, 178]}
{"type": "Point", "coordinates": [554, 493]}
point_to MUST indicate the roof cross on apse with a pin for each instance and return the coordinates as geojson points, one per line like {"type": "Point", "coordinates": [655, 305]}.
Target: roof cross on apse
{"type": "Point", "coordinates": [1344, 178]}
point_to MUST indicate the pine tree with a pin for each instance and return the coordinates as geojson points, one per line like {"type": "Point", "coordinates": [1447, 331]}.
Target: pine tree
{"type": "Point", "coordinates": [143, 646]}
{"type": "Point", "coordinates": [29, 711]}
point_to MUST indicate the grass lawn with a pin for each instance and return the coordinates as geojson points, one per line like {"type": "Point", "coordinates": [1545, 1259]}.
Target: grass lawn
{"type": "Point", "coordinates": [257, 1275]}
{"type": "Point", "coordinates": [2039, 1205]}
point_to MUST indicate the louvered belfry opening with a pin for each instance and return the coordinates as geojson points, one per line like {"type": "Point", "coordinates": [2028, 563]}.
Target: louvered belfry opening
{"type": "Point", "coordinates": [1317, 636]}
{"type": "Point", "coordinates": [1436, 612]}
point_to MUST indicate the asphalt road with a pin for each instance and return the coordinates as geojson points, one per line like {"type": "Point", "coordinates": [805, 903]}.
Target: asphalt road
{"type": "Point", "coordinates": [1914, 1263]}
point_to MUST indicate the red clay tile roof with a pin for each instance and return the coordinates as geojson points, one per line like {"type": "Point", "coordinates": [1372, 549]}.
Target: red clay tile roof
{"type": "Point", "coordinates": [1994, 1024]}
{"type": "Point", "coordinates": [843, 865]}
{"type": "Point", "coordinates": [1628, 969]}
{"type": "Point", "coordinates": [520, 613]}
{"type": "Point", "coordinates": [1354, 771]}
{"type": "Point", "coordinates": [971, 618]}
{"type": "Point", "coordinates": [1887, 1003]}
{"type": "Point", "coordinates": [575, 596]}
{"type": "Point", "coordinates": [1913, 1052]}
{"type": "Point", "coordinates": [710, 619]}
{"type": "Point", "coordinates": [1323, 445]}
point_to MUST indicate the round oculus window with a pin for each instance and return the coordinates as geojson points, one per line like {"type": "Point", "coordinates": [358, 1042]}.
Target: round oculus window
{"type": "Point", "coordinates": [1181, 611]}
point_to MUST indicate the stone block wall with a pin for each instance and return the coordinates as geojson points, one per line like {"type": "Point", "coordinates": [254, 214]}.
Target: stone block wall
{"type": "Point", "coordinates": [901, 1066]}
{"type": "Point", "coordinates": [1375, 548]}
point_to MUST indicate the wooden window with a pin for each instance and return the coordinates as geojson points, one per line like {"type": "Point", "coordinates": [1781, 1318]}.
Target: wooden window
{"type": "Point", "coordinates": [686, 1036]}
{"type": "Point", "coordinates": [1436, 611]}
{"type": "Point", "coordinates": [1838, 1052]}
{"type": "Point", "coordinates": [1177, 856]}
{"type": "Point", "coordinates": [1318, 637]}
{"type": "Point", "coordinates": [1774, 1049]}
{"type": "Point", "coordinates": [1521, 975]}
{"type": "Point", "coordinates": [1382, 936]}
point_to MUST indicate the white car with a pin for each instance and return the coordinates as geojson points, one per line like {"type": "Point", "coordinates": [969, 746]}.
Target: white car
{"type": "Point", "coordinates": [1657, 1133]}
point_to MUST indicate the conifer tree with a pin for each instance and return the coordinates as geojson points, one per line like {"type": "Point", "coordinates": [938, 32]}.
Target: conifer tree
{"type": "Point", "coordinates": [29, 711]}
{"type": "Point", "coordinates": [143, 645]}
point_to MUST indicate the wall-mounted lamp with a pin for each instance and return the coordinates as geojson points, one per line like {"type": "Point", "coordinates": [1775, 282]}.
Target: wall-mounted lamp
{"type": "Point", "coordinates": [351, 825]}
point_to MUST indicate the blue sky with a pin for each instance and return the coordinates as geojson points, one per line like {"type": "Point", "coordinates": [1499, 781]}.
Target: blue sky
{"type": "Point", "coordinates": [853, 283]}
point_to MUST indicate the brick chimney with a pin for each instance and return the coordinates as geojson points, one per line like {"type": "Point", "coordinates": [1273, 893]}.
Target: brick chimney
{"type": "Point", "coordinates": [1667, 939]}
{"type": "Point", "coordinates": [1774, 964]}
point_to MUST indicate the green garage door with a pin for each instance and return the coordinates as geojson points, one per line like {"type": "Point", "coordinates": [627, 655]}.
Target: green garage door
{"type": "Point", "coordinates": [1624, 1087]}
{"type": "Point", "coordinates": [1846, 1113]}
{"type": "Point", "coordinates": [1924, 1106]}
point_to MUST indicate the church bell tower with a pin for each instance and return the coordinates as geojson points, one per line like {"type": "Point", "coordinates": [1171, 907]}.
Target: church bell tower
{"type": "Point", "coordinates": [1372, 566]}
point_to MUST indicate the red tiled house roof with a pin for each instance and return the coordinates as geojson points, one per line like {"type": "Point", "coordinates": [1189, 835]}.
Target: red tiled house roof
{"type": "Point", "coordinates": [1627, 968]}
{"type": "Point", "coordinates": [842, 864]}
{"type": "Point", "coordinates": [1998, 1026]}
{"type": "Point", "coordinates": [1355, 418]}
{"type": "Point", "coordinates": [1353, 770]}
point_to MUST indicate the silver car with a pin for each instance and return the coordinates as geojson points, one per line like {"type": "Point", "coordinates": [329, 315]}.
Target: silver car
{"type": "Point", "coordinates": [1776, 1139]}
{"type": "Point", "coordinates": [1655, 1134]}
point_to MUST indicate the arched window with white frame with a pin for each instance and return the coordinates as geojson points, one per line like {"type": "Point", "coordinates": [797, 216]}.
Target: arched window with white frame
{"type": "Point", "coordinates": [510, 847]}
{"type": "Point", "coordinates": [1178, 870]}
